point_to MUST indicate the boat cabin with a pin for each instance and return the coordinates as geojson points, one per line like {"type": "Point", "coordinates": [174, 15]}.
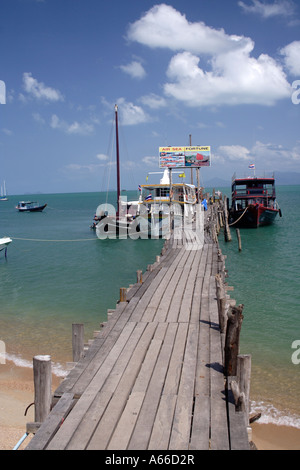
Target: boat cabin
{"type": "Point", "coordinates": [247, 191]}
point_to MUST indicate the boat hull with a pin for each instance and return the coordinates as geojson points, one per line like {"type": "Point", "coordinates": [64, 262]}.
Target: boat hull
{"type": "Point", "coordinates": [4, 242]}
{"type": "Point", "coordinates": [255, 216]}
{"type": "Point", "coordinates": [32, 209]}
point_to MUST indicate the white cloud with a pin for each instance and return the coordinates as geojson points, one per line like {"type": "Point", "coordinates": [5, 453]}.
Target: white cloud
{"type": "Point", "coordinates": [150, 161]}
{"type": "Point", "coordinates": [267, 156]}
{"type": "Point", "coordinates": [234, 76]}
{"type": "Point", "coordinates": [153, 101]}
{"type": "Point", "coordinates": [291, 54]}
{"type": "Point", "coordinates": [102, 157]}
{"type": "Point", "coordinates": [163, 26]}
{"type": "Point", "coordinates": [269, 10]}
{"type": "Point", "coordinates": [74, 128]}
{"type": "Point", "coordinates": [234, 153]}
{"type": "Point", "coordinates": [6, 131]}
{"type": "Point", "coordinates": [272, 154]}
{"type": "Point", "coordinates": [39, 90]}
{"type": "Point", "coordinates": [235, 79]}
{"type": "Point", "coordinates": [131, 114]}
{"type": "Point", "coordinates": [134, 69]}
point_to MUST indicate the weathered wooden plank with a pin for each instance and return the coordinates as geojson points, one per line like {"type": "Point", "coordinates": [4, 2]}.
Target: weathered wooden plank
{"type": "Point", "coordinates": [103, 432]}
{"type": "Point", "coordinates": [237, 428]}
{"type": "Point", "coordinates": [162, 426]}
{"type": "Point", "coordinates": [184, 406]}
{"type": "Point", "coordinates": [127, 421]}
{"type": "Point", "coordinates": [142, 432]}
{"type": "Point", "coordinates": [64, 435]}
{"type": "Point", "coordinates": [163, 292]}
{"type": "Point", "coordinates": [52, 423]}
{"type": "Point", "coordinates": [74, 375]}
{"type": "Point", "coordinates": [200, 433]}
{"type": "Point", "coordinates": [219, 429]}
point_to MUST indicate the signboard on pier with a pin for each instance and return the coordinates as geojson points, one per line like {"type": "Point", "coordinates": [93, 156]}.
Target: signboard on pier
{"type": "Point", "coordinates": [184, 157]}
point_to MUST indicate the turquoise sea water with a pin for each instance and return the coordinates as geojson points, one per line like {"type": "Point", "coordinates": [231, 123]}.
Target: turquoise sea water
{"type": "Point", "coordinates": [265, 276]}
{"type": "Point", "coordinates": [58, 273]}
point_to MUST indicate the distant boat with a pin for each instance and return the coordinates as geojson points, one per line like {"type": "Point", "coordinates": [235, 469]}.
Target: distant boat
{"type": "Point", "coordinates": [3, 196]}
{"type": "Point", "coordinates": [253, 202]}
{"type": "Point", "coordinates": [30, 206]}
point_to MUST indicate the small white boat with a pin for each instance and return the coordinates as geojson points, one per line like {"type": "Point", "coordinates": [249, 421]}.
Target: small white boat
{"type": "Point", "coordinates": [3, 196]}
{"type": "Point", "coordinates": [4, 242]}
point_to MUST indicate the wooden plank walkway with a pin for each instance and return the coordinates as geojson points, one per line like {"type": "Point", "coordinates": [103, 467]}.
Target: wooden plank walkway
{"type": "Point", "coordinates": [153, 377]}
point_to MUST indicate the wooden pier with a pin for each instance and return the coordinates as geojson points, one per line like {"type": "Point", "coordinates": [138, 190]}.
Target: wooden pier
{"type": "Point", "coordinates": [158, 375]}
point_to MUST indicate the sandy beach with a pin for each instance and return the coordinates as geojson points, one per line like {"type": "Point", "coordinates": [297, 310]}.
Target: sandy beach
{"type": "Point", "coordinates": [17, 392]}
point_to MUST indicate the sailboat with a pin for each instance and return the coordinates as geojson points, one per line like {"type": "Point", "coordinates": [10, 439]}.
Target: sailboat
{"type": "Point", "coordinates": [3, 196]}
{"type": "Point", "coordinates": [124, 221]}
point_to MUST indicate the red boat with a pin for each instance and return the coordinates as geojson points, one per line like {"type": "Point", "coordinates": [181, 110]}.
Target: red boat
{"type": "Point", "coordinates": [253, 202]}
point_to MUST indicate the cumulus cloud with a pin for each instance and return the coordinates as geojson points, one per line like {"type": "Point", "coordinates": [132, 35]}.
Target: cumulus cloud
{"type": "Point", "coordinates": [291, 54]}
{"type": "Point", "coordinates": [233, 75]}
{"type": "Point", "coordinates": [153, 101]}
{"type": "Point", "coordinates": [74, 128]}
{"type": "Point", "coordinates": [134, 69]}
{"type": "Point", "coordinates": [235, 79]}
{"type": "Point", "coordinates": [269, 10]}
{"type": "Point", "coordinates": [164, 27]}
{"type": "Point", "coordinates": [234, 152]}
{"type": "Point", "coordinates": [39, 90]}
{"type": "Point", "coordinates": [131, 114]}
{"type": "Point", "coordinates": [267, 156]}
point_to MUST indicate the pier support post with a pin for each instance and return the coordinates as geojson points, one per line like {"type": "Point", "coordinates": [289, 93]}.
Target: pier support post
{"type": "Point", "coordinates": [232, 342]}
{"type": "Point", "coordinates": [227, 233]}
{"type": "Point", "coordinates": [77, 341]}
{"type": "Point", "coordinates": [123, 291]}
{"type": "Point", "coordinates": [42, 377]}
{"type": "Point", "coordinates": [239, 238]}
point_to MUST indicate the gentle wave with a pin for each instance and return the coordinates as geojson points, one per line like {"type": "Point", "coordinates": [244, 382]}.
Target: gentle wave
{"type": "Point", "coordinates": [271, 415]}
{"type": "Point", "coordinates": [57, 368]}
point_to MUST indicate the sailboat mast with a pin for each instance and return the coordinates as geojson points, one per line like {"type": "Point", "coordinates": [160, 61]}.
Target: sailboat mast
{"type": "Point", "coordinates": [118, 160]}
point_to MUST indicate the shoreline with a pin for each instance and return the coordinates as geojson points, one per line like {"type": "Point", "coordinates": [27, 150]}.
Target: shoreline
{"type": "Point", "coordinates": [17, 393]}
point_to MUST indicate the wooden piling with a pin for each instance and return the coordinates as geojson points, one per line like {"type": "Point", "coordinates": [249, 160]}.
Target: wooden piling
{"type": "Point", "coordinates": [239, 238]}
{"type": "Point", "coordinates": [123, 291]}
{"type": "Point", "coordinates": [227, 233]}
{"type": "Point", "coordinates": [42, 377]}
{"type": "Point", "coordinates": [77, 341]}
{"type": "Point", "coordinates": [232, 342]}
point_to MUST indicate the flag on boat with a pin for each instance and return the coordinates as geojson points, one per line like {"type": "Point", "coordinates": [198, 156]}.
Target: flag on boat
{"type": "Point", "coordinates": [140, 187]}
{"type": "Point", "coordinates": [148, 198]}
{"type": "Point", "coordinates": [252, 166]}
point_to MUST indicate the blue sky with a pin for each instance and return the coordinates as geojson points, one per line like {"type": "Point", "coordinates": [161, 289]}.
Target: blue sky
{"type": "Point", "coordinates": [220, 71]}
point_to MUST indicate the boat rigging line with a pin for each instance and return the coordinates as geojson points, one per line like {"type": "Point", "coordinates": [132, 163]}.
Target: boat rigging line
{"type": "Point", "coordinates": [60, 241]}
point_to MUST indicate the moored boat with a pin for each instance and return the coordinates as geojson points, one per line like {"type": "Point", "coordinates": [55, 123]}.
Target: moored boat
{"type": "Point", "coordinates": [4, 242]}
{"type": "Point", "coordinates": [30, 206]}
{"type": "Point", "coordinates": [253, 202]}
{"type": "Point", "coordinates": [165, 197]}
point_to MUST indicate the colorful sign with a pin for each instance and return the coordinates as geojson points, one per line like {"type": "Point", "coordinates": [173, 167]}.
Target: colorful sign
{"type": "Point", "coordinates": [184, 157]}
